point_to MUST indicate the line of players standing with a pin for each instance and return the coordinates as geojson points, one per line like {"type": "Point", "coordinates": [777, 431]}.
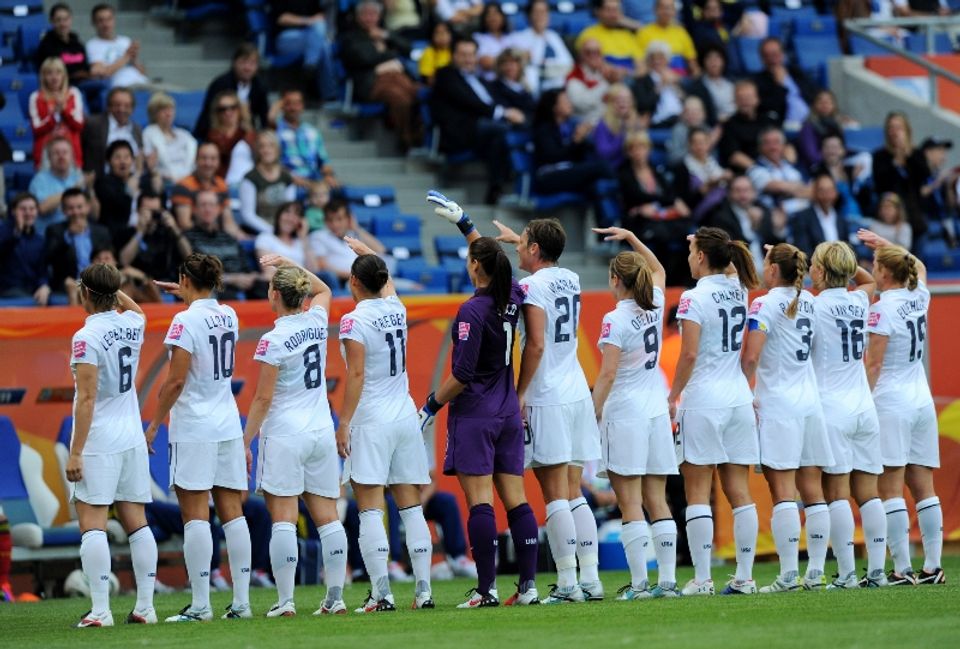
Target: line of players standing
{"type": "Point", "coordinates": [547, 422]}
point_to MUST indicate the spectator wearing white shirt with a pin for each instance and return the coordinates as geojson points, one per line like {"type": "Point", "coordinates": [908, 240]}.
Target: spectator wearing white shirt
{"type": "Point", "coordinates": [908, 8]}
{"type": "Point", "coordinates": [331, 251]}
{"type": "Point", "coordinates": [549, 60]}
{"type": "Point", "coordinates": [587, 84]}
{"type": "Point", "coordinates": [459, 12]}
{"type": "Point", "coordinates": [492, 38]}
{"type": "Point", "coordinates": [112, 56]}
{"type": "Point", "coordinates": [821, 221]}
{"type": "Point", "coordinates": [778, 182]}
{"type": "Point", "coordinates": [891, 222]}
{"type": "Point", "coordinates": [289, 238]}
{"type": "Point", "coordinates": [169, 151]}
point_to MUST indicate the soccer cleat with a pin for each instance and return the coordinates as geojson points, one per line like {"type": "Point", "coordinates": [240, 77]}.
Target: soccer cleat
{"type": "Point", "coordinates": [283, 609]}
{"type": "Point", "coordinates": [908, 578]}
{"type": "Point", "coordinates": [145, 616]}
{"type": "Point", "coordinates": [695, 587]}
{"type": "Point", "coordinates": [336, 607]}
{"type": "Point", "coordinates": [783, 584]}
{"type": "Point", "coordinates": [664, 591]}
{"type": "Point", "coordinates": [218, 583]}
{"type": "Point", "coordinates": [929, 578]}
{"type": "Point", "coordinates": [814, 580]}
{"type": "Point", "coordinates": [478, 600]}
{"type": "Point", "coordinates": [188, 614]}
{"type": "Point", "coordinates": [423, 600]}
{"type": "Point", "coordinates": [237, 613]}
{"type": "Point", "coordinates": [529, 597]}
{"type": "Point", "coordinates": [371, 605]}
{"type": "Point", "coordinates": [628, 593]}
{"type": "Point", "coordinates": [89, 620]}
{"type": "Point", "coordinates": [6, 592]}
{"type": "Point", "coordinates": [845, 583]}
{"type": "Point", "coordinates": [592, 591]}
{"type": "Point", "coordinates": [875, 579]}
{"type": "Point", "coordinates": [462, 567]}
{"type": "Point", "coordinates": [397, 573]}
{"type": "Point", "coordinates": [740, 587]}
{"type": "Point", "coordinates": [568, 595]}
{"type": "Point", "coordinates": [260, 579]}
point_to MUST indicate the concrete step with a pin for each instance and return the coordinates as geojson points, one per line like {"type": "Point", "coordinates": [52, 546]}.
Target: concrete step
{"type": "Point", "coordinates": [339, 150]}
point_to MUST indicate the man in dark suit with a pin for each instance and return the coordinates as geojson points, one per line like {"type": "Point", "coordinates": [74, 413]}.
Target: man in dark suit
{"type": "Point", "coordinates": [70, 244]}
{"type": "Point", "coordinates": [744, 219]}
{"type": "Point", "coordinates": [468, 117]}
{"type": "Point", "coordinates": [114, 124]}
{"type": "Point", "coordinates": [821, 221]}
{"type": "Point", "coordinates": [243, 79]}
{"type": "Point", "coordinates": [785, 90]}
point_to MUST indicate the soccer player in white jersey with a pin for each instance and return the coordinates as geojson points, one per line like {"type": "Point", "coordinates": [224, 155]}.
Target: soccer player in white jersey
{"type": "Point", "coordinates": [851, 418]}
{"type": "Point", "coordinates": [557, 407]}
{"type": "Point", "coordinates": [379, 432]}
{"type": "Point", "coordinates": [298, 452]}
{"type": "Point", "coordinates": [108, 453]}
{"type": "Point", "coordinates": [630, 401]}
{"type": "Point", "coordinates": [793, 438]}
{"type": "Point", "coordinates": [909, 441]}
{"type": "Point", "coordinates": [716, 422]}
{"type": "Point", "coordinates": [206, 438]}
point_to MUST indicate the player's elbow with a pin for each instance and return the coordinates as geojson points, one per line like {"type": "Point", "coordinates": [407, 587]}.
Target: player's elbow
{"type": "Point", "coordinates": [688, 357]}
{"type": "Point", "coordinates": [748, 365]}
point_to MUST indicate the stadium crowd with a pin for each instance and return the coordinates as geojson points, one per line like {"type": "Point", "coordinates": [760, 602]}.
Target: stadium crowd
{"type": "Point", "coordinates": [654, 110]}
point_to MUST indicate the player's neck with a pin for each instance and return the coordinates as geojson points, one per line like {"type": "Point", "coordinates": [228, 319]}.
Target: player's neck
{"type": "Point", "coordinates": [540, 265]}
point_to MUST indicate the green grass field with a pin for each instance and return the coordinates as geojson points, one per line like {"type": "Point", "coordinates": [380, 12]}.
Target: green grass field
{"type": "Point", "coordinates": [894, 617]}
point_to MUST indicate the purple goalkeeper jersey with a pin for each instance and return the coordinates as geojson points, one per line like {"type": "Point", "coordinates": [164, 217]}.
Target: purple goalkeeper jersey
{"type": "Point", "coordinates": [482, 356]}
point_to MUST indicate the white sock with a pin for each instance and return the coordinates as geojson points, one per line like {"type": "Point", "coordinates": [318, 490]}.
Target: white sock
{"type": "Point", "coordinates": [874, 534]}
{"type": "Point", "coordinates": [419, 546]}
{"type": "Point", "coordinates": [143, 555]}
{"type": "Point", "coordinates": [198, 554]}
{"type": "Point", "coordinates": [635, 537]}
{"type": "Point", "coordinates": [818, 535]}
{"type": "Point", "coordinates": [700, 539]}
{"type": "Point", "coordinates": [665, 548]}
{"type": "Point", "coordinates": [284, 555]}
{"type": "Point", "coordinates": [786, 536]}
{"type": "Point", "coordinates": [930, 519]}
{"type": "Point", "coordinates": [841, 536]}
{"type": "Point", "coordinates": [587, 545]}
{"type": "Point", "coordinates": [374, 549]}
{"type": "Point", "coordinates": [333, 540]}
{"type": "Point", "coordinates": [238, 550]}
{"type": "Point", "coordinates": [562, 536]}
{"type": "Point", "coordinates": [898, 533]}
{"type": "Point", "coordinates": [746, 526]}
{"type": "Point", "coordinates": [95, 559]}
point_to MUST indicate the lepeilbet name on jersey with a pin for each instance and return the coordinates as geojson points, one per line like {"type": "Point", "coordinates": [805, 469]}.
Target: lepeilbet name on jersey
{"type": "Point", "coordinates": [119, 334]}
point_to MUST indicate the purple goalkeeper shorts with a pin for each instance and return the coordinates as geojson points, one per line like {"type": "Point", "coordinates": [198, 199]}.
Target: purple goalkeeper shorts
{"type": "Point", "coordinates": [484, 446]}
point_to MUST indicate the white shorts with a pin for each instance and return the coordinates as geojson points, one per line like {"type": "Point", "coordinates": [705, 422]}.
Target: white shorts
{"type": "Point", "coordinates": [564, 434]}
{"type": "Point", "coordinates": [290, 465]}
{"type": "Point", "coordinates": [792, 442]}
{"type": "Point", "coordinates": [201, 466]}
{"type": "Point", "coordinates": [718, 436]}
{"type": "Point", "coordinates": [117, 477]}
{"type": "Point", "coordinates": [855, 440]}
{"type": "Point", "coordinates": [634, 447]}
{"type": "Point", "coordinates": [387, 454]}
{"type": "Point", "coordinates": [910, 437]}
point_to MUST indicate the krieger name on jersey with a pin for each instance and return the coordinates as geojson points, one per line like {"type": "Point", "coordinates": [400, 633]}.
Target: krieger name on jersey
{"type": "Point", "coordinates": [390, 321]}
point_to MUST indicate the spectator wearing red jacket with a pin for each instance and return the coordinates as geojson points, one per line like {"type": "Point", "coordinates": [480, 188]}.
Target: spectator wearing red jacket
{"type": "Point", "coordinates": [56, 108]}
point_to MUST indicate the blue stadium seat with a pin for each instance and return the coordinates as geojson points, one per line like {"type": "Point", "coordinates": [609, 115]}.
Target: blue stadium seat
{"type": "Point", "coordinates": [942, 44]}
{"type": "Point", "coordinates": [861, 47]}
{"type": "Point", "coordinates": [17, 175]}
{"type": "Point", "coordinates": [814, 52]}
{"type": "Point", "coordinates": [21, 7]}
{"type": "Point", "coordinates": [366, 213]}
{"type": "Point", "coordinates": [9, 23]}
{"type": "Point", "coordinates": [866, 138]}
{"type": "Point", "coordinates": [369, 195]}
{"type": "Point", "coordinates": [521, 158]}
{"type": "Point", "coordinates": [450, 246]}
{"type": "Point", "coordinates": [16, 498]}
{"type": "Point", "coordinates": [641, 10]}
{"type": "Point", "coordinates": [814, 26]}
{"type": "Point", "coordinates": [140, 100]}
{"type": "Point", "coordinates": [575, 22]}
{"type": "Point", "coordinates": [402, 246]}
{"type": "Point", "coordinates": [26, 44]}
{"type": "Point", "coordinates": [189, 105]}
{"type": "Point", "coordinates": [433, 278]}
{"type": "Point", "coordinates": [748, 50]}
{"type": "Point", "coordinates": [396, 225]}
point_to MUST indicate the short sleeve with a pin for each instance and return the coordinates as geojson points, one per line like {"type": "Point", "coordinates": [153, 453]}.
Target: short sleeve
{"type": "Point", "coordinates": [84, 350]}
{"type": "Point", "coordinates": [863, 300]}
{"type": "Point", "coordinates": [468, 332]}
{"type": "Point", "coordinates": [179, 335]}
{"type": "Point", "coordinates": [610, 332]}
{"type": "Point", "coordinates": [879, 321]}
{"type": "Point", "coordinates": [352, 328]}
{"type": "Point", "coordinates": [759, 316]}
{"type": "Point", "coordinates": [532, 294]}
{"type": "Point", "coordinates": [268, 351]}
{"type": "Point", "coordinates": [689, 309]}
{"type": "Point", "coordinates": [759, 176]}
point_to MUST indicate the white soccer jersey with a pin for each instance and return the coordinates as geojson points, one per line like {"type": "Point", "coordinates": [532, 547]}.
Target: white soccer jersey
{"type": "Point", "coordinates": [112, 342]}
{"type": "Point", "coordinates": [638, 389]}
{"type": "Point", "coordinates": [901, 315]}
{"type": "Point", "coordinates": [380, 325]}
{"type": "Point", "coordinates": [206, 410]}
{"type": "Point", "coordinates": [297, 345]}
{"type": "Point", "coordinates": [559, 379]}
{"type": "Point", "coordinates": [840, 322]}
{"type": "Point", "coordinates": [719, 305]}
{"type": "Point", "coordinates": [786, 384]}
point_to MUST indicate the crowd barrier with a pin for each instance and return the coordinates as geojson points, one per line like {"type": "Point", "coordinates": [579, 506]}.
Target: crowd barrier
{"type": "Point", "coordinates": [36, 386]}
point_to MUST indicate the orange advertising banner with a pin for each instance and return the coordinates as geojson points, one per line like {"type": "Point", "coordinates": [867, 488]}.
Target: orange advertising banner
{"type": "Point", "coordinates": [36, 386]}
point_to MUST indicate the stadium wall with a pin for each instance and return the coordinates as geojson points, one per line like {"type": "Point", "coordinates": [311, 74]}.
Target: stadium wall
{"type": "Point", "coordinates": [36, 386]}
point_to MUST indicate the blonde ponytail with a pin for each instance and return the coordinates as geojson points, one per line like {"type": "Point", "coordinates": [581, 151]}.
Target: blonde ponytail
{"type": "Point", "coordinates": [635, 275]}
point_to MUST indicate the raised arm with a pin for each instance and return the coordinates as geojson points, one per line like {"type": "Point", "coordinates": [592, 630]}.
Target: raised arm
{"type": "Point", "coordinates": [873, 241]}
{"type": "Point", "coordinates": [318, 288]}
{"type": "Point", "coordinates": [452, 212]}
{"type": "Point", "coordinates": [864, 281]}
{"type": "Point", "coordinates": [361, 248]}
{"type": "Point", "coordinates": [127, 304]}
{"type": "Point", "coordinates": [622, 234]}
